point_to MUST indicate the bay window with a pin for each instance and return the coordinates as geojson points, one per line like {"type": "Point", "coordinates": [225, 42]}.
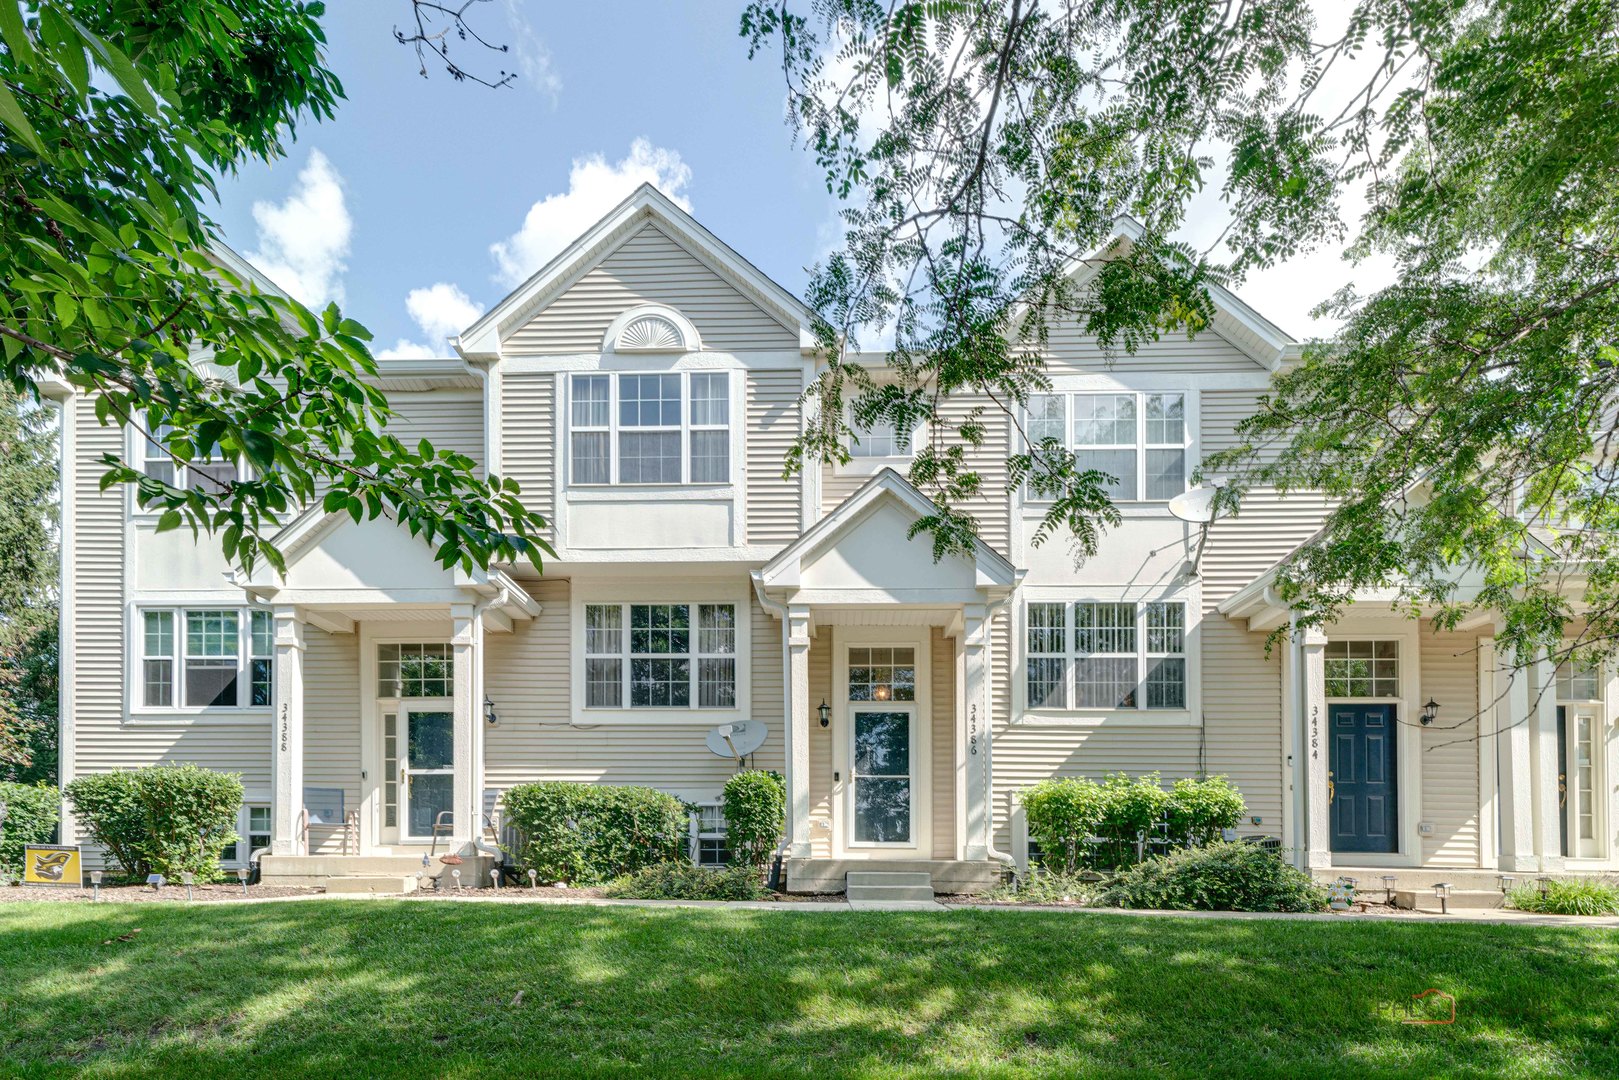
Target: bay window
{"type": "Point", "coordinates": [660, 656]}
{"type": "Point", "coordinates": [1105, 655]}
{"type": "Point", "coordinates": [650, 428]}
{"type": "Point", "coordinates": [1140, 439]}
{"type": "Point", "coordinates": [206, 658]}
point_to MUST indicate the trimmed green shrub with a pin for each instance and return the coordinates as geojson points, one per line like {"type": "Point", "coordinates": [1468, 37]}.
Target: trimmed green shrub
{"type": "Point", "coordinates": [1199, 810]}
{"type": "Point", "coordinates": [683, 881]}
{"type": "Point", "coordinates": [755, 814]}
{"type": "Point", "coordinates": [1132, 807]}
{"type": "Point", "coordinates": [1571, 896]}
{"type": "Point", "coordinates": [165, 819]}
{"type": "Point", "coordinates": [1220, 877]}
{"type": "Point", "coordinates": [32, 811]}
{"type": "Point", "coordinates": [1061, 814]}
{"type": "Point", "coordinates": [585, 834]}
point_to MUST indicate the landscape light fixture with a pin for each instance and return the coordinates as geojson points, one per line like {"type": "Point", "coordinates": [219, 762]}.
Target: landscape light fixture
{"type": "Point", "coordinates": [1545, 884]}
{"type": "Point", "coordinates": [156, 881]}
{"type": "Point", "coordinates": [533, 876]}
{"type": "Point", "coordinates": [456, 874]}
{"type": "Point", "coordinates": [494, 878]}
{"type": "Point", "coordinates": [241, 875]}
{"type": "Point", "coordinates": [188, 879]}
{"type": "Point", "coordinates": [1430, 712]}
{"type": "Point", "coordinates": [95, 885]}
{"type": "Point", "coordinates": [1388, 888]}
{"type": "Point", "coordinates": [1506, 883]}
{"type": "Point", "coordinates": [823, 710]}
{"type": "Point", "coordinates": [1442, 890]}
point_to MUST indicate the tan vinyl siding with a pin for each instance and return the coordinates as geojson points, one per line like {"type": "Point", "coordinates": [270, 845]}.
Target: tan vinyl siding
{"type": "Point", "coordinates": [1070, 349]}
{"type": "Point", "coordinates": [943, 671]}
{"type": "Point", "coordinates": [331, 723]}
{"type": "Point", "coordinates": [528, 422]}
{"type": "Point", "coordinates": [528, 675]}
{"type": "Point", "coordinates": [1450, 753]}
{"type": "Point", "coordinates": [104, 738]}
{"type": "Point", "coordinates": [1242, 685]}
{"type": "Point", "coordinates": [772, 416]}
{"type": "Point", "coordinates": [837, 486]}
{"type": "Point", "coordinates": [650, 267]}
{"type": "Point", "coordinates": [451, 420]}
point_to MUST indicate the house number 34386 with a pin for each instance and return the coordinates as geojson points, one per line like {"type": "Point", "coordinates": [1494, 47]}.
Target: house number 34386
{"type": "Point", "coordinates": [972, 728]}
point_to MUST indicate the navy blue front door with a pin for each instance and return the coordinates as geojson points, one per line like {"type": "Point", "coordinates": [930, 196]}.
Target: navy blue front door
{"type": "Point", "coordinates": [1364, 802]}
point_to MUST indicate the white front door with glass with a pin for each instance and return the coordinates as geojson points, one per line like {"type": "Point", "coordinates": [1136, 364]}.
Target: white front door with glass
{"type": "Point", "coordinates": [415, 682]}
{"type": "Point", "coordinates": [884, 753]}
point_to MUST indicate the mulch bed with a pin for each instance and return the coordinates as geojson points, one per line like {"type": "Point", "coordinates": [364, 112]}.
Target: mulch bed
{"type": "Point", "coordinates": [125, 894]}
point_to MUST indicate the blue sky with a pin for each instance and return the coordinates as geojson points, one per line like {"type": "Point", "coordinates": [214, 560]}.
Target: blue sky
{"type": "Point", "coordinates": [425, 200]}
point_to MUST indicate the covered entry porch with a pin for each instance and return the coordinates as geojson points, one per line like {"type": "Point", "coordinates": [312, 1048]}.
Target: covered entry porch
{"type": "Point", "coordinates": [887, 668]}
{"type": "Point", "coordinates": [377, 740]}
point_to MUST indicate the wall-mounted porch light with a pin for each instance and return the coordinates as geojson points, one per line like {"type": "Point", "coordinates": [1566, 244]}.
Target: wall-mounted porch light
{"type": "Point", "coordinates": [824, 711]}
{"type": "Point", "coordinates": [489, 713]}
{"type": "Point", "coordinates": [1430, 712]}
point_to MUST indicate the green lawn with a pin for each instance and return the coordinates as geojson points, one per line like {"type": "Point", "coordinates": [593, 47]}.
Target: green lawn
{"type": "Point", "coordinates": [358, 989]}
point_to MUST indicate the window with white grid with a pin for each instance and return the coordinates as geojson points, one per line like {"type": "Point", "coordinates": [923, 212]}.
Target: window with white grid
{"type": "Point", "coordinates": [650, 656]}
{"type": "Point", "coordinates": [1579, 682]}
{"type": "Point", "coordinates": [205, 658]}
{"type": "Point", "coordinates": [646, 428]}
{"type": "Point", "coordinates": [1105, 655]}
{"type": "Point", "coordinates": [213, 473]}
{"type": "Point", "coordinates": [1139, 440]}
{"type": "Point", "coordinates": [709, 846]}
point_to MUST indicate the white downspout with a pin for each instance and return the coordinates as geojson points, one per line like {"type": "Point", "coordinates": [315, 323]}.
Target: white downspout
{"type": "Point", "coordinates": [1002, 857]}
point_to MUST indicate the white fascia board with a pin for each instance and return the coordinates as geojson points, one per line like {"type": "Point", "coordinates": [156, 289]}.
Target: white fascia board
{"type": "Point", "coordinates": [482, 339]}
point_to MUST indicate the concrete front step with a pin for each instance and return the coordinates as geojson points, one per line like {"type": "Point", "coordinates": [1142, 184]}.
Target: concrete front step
{"type": "Point", "coordinates": [947, 875]}
{"type": "Point", "coordinates": [889, 877]}
{"type": "Point", "coordinates": [1369, 880]}
{"type": "Point", "coordinates": [313, 871]}
{"type": "Point", "coordinates": [377, 884]}
{"type": "Point", "coordinates": [1458, 900]}
{"type": "Point", "coordinates": [888, 894]}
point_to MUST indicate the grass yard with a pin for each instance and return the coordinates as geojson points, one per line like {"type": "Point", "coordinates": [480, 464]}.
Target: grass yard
{"type": "Point", "coordinates": [364, 989]}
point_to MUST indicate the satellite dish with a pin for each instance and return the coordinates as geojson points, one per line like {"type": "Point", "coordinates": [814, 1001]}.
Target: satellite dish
{"type": "Point", "coordinates": [1195, 506]}
{"type": "Point", "coordinates": [737, 739]}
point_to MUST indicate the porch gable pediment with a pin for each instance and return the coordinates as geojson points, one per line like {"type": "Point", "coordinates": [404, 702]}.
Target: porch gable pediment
{"type": "Point", "coordinates": [863, 551]}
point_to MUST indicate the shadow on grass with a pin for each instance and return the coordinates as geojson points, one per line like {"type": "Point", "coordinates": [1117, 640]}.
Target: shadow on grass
{"type": "Point", "coordinates": [379, 989]}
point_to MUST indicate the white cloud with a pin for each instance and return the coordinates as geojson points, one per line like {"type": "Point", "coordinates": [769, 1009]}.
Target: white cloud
{"type": "Point", "coordinates": [533, 58]}
{"type": "Point", "coordinates": [441, 310]}
{"type": "Point", "coordinates": [303, 241]}
{"type": "Point", "coordinates": [594, 187]}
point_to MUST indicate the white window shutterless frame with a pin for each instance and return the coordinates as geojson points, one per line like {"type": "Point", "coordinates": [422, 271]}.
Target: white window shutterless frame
{"type": "Point", "coordinates": [650, 428]}
{"type": "Point", "coordinates": [1144, 439]}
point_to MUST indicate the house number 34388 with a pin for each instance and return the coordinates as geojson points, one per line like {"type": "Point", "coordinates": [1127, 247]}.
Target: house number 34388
{"type": "Point", "coordinates": [286, 728]}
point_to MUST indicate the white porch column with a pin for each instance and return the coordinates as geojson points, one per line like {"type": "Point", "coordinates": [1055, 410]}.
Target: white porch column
{"type": "Point", "coordinates": [287, 746]}
{"type": "Point", "coordinates": [1315, 833]}
{"type": "Point", "coordinates": [795, 632]}
{"type": "Point", "coordinates": [975, 727]}
{"type": "Point", "coordinates": [1546, 797]}
{"type": "Point", "coordinates": [1514, 799]}
{"type": "Point", "coordinates": [468, 754]}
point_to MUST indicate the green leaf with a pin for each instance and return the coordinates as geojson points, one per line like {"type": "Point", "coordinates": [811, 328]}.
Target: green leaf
{"type": "Point", "coordinates": [11, 115]}
{"type": "Point", "coordinates": [15, 34]}
{"type": "Point", "coordinates": [170, 520]}
{"type": "Point", "coordinates": [118, 64]}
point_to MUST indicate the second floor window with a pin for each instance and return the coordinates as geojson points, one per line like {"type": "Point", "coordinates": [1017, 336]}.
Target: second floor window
{"type": "Point", "coordinates": [650, 428]}
{"type": "Point", "coordinates": [1139, 439]}
{"type": "Point", "coordinates": [209, 475]}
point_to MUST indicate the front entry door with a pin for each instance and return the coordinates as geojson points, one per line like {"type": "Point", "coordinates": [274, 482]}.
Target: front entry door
{"type": "Point", "coordinates": [1362, 783]}
{"type": "Point", "coordinates": [427, 769]}
{"type": "Point", "coordinates": [881, 775]}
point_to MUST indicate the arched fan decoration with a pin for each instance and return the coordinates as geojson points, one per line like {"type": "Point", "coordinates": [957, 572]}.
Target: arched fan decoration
{"type": "Point", "coordinates": [651, 333]}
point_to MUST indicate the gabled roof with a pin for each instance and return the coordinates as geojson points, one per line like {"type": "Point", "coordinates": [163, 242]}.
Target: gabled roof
{"type": "Point", "coordinates": [993, 570]}
{"type": "Point", "coordinates": [1248, 331]}
{"type": "Point", "coordinates": [481, 340]}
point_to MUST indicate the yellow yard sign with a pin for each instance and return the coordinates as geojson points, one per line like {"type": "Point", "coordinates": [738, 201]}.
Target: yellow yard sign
{"type": "Point", "coordinates": [46, 864]}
